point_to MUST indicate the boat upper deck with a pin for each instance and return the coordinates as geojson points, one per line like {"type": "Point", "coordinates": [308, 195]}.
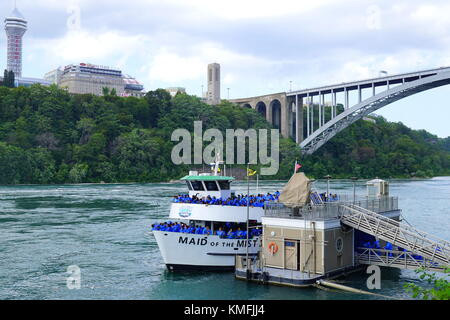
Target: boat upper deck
{"type": "Point", "coordinates": [238, 201]}
{"type": "Point", "coordinates": [329, 210]}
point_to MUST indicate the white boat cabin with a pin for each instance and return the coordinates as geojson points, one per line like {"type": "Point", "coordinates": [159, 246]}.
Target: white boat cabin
{"type": "Point", "coordinates": [204, 185]}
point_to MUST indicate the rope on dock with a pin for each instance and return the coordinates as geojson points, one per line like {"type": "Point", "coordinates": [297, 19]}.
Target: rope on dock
{"type": "Point", "coordinates": [334, 285]}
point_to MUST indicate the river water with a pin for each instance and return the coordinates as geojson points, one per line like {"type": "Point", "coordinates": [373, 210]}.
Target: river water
{"type": "Point", "coordinates": [105, 231]}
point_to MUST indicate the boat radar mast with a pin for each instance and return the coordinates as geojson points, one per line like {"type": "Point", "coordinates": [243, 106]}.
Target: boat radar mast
{"type": "Point", "coordinates": [216, 164]}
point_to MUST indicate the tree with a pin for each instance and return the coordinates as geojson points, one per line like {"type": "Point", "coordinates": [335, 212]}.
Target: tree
{"type": "Point", "coordinates": [78, 173]}
{"type": "Point", "coordinates": [440, 287]}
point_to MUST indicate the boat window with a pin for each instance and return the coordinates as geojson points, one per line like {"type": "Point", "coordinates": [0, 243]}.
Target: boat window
{"type": "Point", "coordinates": [189, 185]}
{"type": "Point", "coordinates": [211, 186]}
{"type": "Point", "coordinates": [197, 185]}
{"type": "Point", "coordinates": [224, 185]}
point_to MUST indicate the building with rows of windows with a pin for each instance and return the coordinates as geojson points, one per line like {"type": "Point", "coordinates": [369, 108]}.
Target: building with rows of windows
{"type": "Point", "coordinates": [86, 78]}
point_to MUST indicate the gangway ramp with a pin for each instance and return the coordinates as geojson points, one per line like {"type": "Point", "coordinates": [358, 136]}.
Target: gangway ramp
{"type": "Point", "coordinates": [435, 250]}
{"type": "Point", "coordinates": [395, 259]}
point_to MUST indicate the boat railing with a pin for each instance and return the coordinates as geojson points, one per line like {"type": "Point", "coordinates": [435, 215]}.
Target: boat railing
{"type": "Point", "coordinates": [328, 210]}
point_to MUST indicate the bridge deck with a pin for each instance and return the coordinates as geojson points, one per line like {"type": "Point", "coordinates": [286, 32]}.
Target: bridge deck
{"type": "Point", "coordinates": [369, 83]}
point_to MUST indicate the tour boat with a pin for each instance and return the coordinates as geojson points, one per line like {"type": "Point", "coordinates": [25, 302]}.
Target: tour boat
{"type": "Point", "coordinates": [183, 251]}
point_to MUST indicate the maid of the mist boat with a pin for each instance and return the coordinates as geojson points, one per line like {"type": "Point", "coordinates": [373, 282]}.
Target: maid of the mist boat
{"type": "Point", "coordinates": [186, 251]}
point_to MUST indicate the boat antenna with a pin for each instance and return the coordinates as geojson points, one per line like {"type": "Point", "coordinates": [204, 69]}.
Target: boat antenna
{"type": "Point", "coordinates": [217, 163]}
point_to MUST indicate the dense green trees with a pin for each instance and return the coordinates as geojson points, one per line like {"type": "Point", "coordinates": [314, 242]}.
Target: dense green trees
{"type": "Point", "coordinates": [382, 149]}
{"type": "Point", "coordinates": [50, 136]}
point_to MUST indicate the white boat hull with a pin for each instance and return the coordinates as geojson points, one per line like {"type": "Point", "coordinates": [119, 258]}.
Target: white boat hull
{"type": "Point", "coordinates": [181, 251]}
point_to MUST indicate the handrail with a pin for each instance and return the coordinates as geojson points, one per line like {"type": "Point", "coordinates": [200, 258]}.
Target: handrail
{"type": "Point", "coordinates": [387, 229]}
{"type": "Point", "coordinates": [410, 230]}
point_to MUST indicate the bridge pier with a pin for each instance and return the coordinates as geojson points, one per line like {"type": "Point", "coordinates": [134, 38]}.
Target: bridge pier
{"type": "Point", "coordinates": [280, 117]}
{"type": "Point", "coordinates": [285, 118]}
{"type": "Point", "coordinates": [298, 119]}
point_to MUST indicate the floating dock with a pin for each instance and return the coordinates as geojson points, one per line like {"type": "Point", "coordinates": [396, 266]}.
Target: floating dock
{"type": "Point", "coordinates": [327, 239]}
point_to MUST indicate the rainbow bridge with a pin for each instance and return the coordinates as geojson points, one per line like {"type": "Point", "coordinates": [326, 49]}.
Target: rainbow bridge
{"type": "Point", "coordinates": [312, 117]}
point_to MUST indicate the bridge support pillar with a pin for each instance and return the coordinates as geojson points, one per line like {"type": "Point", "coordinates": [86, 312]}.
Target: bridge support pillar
{"type": "Point", "coordinates": [269, 113]}
{"type": "Point", "coordinates": [298, 119]}
{"type": "Point", "coordinates": [285, 117]}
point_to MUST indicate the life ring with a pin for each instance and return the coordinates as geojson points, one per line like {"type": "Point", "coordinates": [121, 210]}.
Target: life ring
{"type": "Point", "coordinates": [273, 248]}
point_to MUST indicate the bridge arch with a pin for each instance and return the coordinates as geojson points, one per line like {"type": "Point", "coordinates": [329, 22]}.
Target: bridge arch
{"type": "Point", "coordinates": [275, 107]}
{"type": "Point", "coordinates": [247, 105]}
{"type": "Point", "coordinates": [364, 108]}
{"type": "Point", "coordinates": [261, 109]}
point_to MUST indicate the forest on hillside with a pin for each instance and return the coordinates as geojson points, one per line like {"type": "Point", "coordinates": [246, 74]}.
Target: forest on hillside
{"type": "Point", "coordinates": [48, 136]}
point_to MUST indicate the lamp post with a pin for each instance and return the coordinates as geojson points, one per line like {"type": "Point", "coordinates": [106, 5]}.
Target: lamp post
{"type": "Point", "coordinates": [228, 89]}
{"type": "Point", "coordinates": [328, 177]}
{"type": "Point", "coordinates": [354, 188]}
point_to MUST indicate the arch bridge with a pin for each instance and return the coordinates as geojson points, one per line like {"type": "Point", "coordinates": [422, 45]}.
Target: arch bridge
{"type": "Point", "coordinates": [314, 116]}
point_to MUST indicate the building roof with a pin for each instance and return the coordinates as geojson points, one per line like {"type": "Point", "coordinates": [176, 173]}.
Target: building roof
{"type": "Point", "coordinates": [206, 178]}
{"type": "Point", "coordinates": [16, 14]}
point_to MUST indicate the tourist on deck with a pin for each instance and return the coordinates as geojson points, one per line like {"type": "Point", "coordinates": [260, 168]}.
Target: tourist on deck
{"type": "Point", "coordinates": [220, 233]}
{"type": "Point", "coordinates": [207, 231]}
{"type": "Point", "coordinates": [239, 234]}
{"type": "Point", "coordinates": [231, 234]}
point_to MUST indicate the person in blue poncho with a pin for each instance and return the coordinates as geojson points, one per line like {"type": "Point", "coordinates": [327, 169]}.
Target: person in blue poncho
{"type": "Point", "coordinates": [231, 234]}
{"type": "Point", "coordinates": [220, 233]}
{"type": "Point", "coordinates": [239, 233]}
{"type": "Point", "coordinates": [199, 230]}
{"type": "Point", "coordinates": [207, 231]}
{"type": "Point", "coordinates": [190, 230]}
{"type": "Point", "coordinates": [377, 244]}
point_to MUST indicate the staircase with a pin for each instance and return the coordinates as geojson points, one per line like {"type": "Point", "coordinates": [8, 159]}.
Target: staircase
{"type": "Point", "coordinates": [436, 251]}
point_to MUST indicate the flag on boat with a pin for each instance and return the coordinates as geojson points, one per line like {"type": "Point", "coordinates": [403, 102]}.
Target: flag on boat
{"type": "Point", "coordinates": [218, 169]}
{"type": "Point", "coordinates": [297, 166]}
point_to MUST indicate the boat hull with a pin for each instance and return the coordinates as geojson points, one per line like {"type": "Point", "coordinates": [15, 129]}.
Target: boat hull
{"type": "Point", "coordinates": [193, 252]}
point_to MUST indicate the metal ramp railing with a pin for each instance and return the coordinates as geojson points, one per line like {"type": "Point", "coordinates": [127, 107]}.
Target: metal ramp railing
{"type": "Point", "coordinates": [430, 247]}
{"type": "Point", "coordinates": [395, 259]}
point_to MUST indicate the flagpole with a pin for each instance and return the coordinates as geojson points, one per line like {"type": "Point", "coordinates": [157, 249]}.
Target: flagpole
{"type": "Point", "coordinates": [257, 184]}
{"type": "Point", "coordinates": [248, 214]}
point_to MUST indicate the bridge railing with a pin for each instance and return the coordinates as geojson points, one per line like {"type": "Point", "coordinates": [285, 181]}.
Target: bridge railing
{"type": "Point", "coordinates": [328, 210]}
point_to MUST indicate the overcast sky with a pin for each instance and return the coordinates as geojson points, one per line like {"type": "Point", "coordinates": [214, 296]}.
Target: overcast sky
{"type": "Point", "coordinates": [261, 45]}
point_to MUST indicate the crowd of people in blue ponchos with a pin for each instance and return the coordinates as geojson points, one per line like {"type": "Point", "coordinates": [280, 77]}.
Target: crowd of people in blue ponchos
{"type": "Point", "coordinates": [226, 231]}
{"type": "Point", "coordinates": [376, 245]}
{"type": "Point", "coordinates": [239, 201]}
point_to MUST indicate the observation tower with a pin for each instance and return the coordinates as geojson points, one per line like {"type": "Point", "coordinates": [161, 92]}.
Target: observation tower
{"type": "Point", "coordinates": [15, 27]}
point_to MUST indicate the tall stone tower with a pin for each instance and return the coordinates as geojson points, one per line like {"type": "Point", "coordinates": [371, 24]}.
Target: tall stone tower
{"type": "Point", "coordinates": [213, 94]}
{"type": "Point", "coordinates": [15, 27]}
